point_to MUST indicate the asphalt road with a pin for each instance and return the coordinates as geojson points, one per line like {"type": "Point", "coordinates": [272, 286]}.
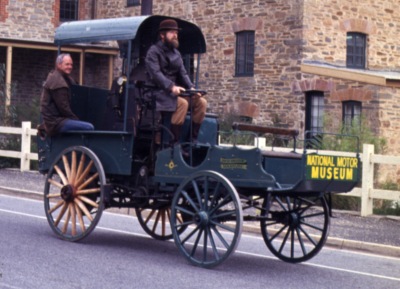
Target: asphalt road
{"type": "Point", "coordinates": [374, 234]}
{"type": "Point", "coordinates": [118, 254]}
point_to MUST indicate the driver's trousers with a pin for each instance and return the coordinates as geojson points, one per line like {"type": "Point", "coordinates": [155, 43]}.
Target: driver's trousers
{"type": "Point", "coordinates": [199, 106]}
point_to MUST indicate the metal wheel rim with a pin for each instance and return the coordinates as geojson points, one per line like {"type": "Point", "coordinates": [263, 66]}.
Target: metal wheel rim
{"type": "Point", "coordinates": [212, 212]}
{"type": "Point", "coordinates": [74, 193]}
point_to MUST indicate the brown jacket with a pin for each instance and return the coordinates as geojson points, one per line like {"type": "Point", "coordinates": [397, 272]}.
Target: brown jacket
{"type": "Point", "coordinates": [55, 101]}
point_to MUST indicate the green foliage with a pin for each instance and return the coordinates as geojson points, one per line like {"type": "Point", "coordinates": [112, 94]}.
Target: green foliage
{"type": "Point", "coordinates": [344, 139]}
{"type": "Point", "coordinates": [228, 136]}
{"type": "Point", "coordinates": [346, 203]}
{"type": "Point", "coordinates": [10, 143]}
{"type": "Point", "coordinates": [8, 114]}
{"type": "Point", "coordinates": [387, 207]}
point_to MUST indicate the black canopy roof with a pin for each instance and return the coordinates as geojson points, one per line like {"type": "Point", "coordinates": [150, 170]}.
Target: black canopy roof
{"type": "Point", "coordinates": [142, 30]}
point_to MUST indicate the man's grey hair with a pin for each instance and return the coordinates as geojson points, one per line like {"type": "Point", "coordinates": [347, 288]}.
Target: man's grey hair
{"type": "Point", "coordinates": [61, 57]}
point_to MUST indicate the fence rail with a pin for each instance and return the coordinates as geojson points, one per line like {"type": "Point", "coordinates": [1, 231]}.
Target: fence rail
{"type": "Point", "coordinates": [366, 192]}
{"type": "Point", "coordinates": [25, 154]}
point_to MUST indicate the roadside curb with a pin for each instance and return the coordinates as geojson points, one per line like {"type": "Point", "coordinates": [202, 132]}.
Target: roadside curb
{"type": "Point", "coordinates": [374, 248]}
{"type": "Point", "coordinates": [345, 244]}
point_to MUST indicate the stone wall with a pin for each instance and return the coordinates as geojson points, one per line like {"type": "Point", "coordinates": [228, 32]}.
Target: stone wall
{"type": "Point", "coordinates": [34, 20]}
{"type": "Point", "coordinates": [115, 8]}
{"type": "Point", "coordinates": [27, 20]}
{"type": "Point", "coordinates": [326, 23]}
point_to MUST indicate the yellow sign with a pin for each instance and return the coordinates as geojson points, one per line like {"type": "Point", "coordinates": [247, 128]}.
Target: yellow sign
{"type": "Point", "coordinates": [332, 168]}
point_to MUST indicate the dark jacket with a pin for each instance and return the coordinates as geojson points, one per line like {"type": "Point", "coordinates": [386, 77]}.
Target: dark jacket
{"type": "Point", "coordinates": [55, 101]}
{"type": "Point", "coordinates": [165, 68]}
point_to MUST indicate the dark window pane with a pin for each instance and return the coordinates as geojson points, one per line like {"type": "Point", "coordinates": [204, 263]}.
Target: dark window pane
{"type": "Point", "coordinates": [69, 10]}
{"type": "Point", "coordinates": [130, 3]}
{"type": "Point", "coordinates": [244, 64]}
{"type": "Point", "coordinates": [351, 113]}
{"type": "Point", "coordinates": [356, 46]}
{"type": "Point", "coordinates": [314, 112]}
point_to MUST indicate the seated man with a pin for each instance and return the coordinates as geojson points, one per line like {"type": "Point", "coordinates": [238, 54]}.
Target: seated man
{"type": "Point", "coordinates": [55, 100]}
{"type": "Point", "coordinates": [166, 71]}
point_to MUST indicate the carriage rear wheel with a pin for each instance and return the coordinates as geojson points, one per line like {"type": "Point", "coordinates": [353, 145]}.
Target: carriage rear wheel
{"type": "Point", "coordinates": [210, 208]}
{"type": "Point", "coordinates": [295, 228]}
{"type": "Point", "coordinates": [155, 221]}
{"type": "Point", "coordinates": [73, 193]}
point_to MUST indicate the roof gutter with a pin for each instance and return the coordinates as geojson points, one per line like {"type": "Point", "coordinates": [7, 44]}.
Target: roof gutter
{"type": "Point", "coordinates": [371, 77]}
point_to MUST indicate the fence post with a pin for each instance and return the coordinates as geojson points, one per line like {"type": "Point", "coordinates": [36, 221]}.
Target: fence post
{"type": "Point", "coordinates": [25, 146]}
{"type": "Point", "coordinates": [367, 180]}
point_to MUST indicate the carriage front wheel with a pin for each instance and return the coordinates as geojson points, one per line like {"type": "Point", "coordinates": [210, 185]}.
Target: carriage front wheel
{"type": "Point", "coordinates": [295, 228]}
{"type": "Point", "coordinates": [73, 193]}
{"type": "Point", "coordinates": [210, 208]}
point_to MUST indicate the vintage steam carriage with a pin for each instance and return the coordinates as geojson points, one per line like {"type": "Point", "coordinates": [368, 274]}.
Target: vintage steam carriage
{"type": "Point", "coordinates": [202, 200]}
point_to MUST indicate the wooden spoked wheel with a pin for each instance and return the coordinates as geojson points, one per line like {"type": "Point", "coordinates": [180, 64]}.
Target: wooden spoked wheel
{"type": "Point", "coordinates": [210, 208]}
{"type": "Point", "coordinates": [295, 228]}
{"type": "Point", "coordinates": [156, 222]}
{"type": "Point", "coordinates": [73, 194]}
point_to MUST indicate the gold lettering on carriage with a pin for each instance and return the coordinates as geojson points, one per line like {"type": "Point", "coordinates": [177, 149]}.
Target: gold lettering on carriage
{"type": "Point", "coordinates": [233, 163]}
{"type": "Point", "coordinates": [331, 168]}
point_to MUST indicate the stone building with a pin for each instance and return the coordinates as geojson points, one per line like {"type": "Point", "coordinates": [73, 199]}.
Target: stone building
{"type": "Point", "coordinates": [301, 61]}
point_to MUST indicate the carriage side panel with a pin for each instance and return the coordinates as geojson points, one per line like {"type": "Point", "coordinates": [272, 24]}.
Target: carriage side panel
{"type": "Point", "coordinates": [114, 149]}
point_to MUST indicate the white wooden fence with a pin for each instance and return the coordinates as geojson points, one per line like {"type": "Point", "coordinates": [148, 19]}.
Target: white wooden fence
{"type": "Point", "coordinates": [368, 158]}
{"type": "Point", "coordinates": [25, 155]}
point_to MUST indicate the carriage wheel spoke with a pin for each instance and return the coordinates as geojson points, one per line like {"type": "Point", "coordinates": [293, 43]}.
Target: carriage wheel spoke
{"type": "Point", "coordinates": [59, 204]}
{"type": "Point", "coordinates": [84, 209]}
{"type": "Point", "coordinates": [149, 216]}
{"type": "Point", "coordinates": [88, 191]}
{"type": "Point", "coordinates": [61, 174]}
{"type": "Point", "coordinates": [84, 174]}
{"type": "Point", "coordinates": [220, 237]}
{"type": "Point", "coordinates": [213, 244]}
{"type": "Point", "coordinates": [81, 164]}
{"type": "Point", "coordinates": [284, 241]}
{"type": "Point", "coordinates": [66, 167]}
{"type": "Point", "coordinates": [196, 242]}
{"type": "Point", "coordinates": [88, 201]}
{"type": "Point", "coordinates": [73, 168]}
{"type": "Point", "coordinates": [55, 183]}
{"type": "Point", "coordinates": [88, 181]}
{"type": "Point", "coordinates": [66, 222]}
{"type": "Point", "coordinates": [156, 221]}
{"type": "Point", "coordinates": [163, 222]}
{"type": "Point", "coordinates": [205, 244]}
{"type": "Point", "coordinates": [190, 200]}
{"type": "Point", "coordinates": [73, 218]}
{"type": "Point", "coordinates": [80, 218]}
{"type": "Point", "coordinates": [61, 214]}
